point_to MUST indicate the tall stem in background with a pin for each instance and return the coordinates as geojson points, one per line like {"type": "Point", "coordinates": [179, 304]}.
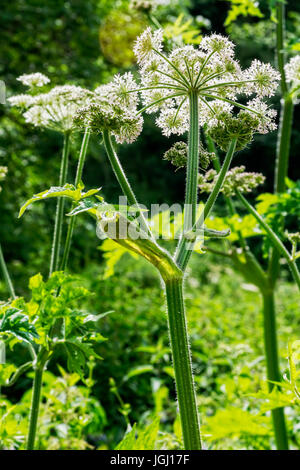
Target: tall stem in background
{"type": "Point", "coordinates": [182, 364]}
{"type": "Point", "coordinates": [285, 128]}
{"type": "Point", "coordinates": [281, 170]}
{"type": "Point", "coordinates": [273, 371]}
{"type": "Point", "coordinates": [54, 263]}
{"type": "Point", "coordinates": [6, 275]}
{"type": "Point", "coordinates": [81, 160]}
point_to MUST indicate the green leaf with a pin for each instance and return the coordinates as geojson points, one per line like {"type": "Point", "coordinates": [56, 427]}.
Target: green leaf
{"type": "Point", "coordinates": [170, 371]}
{"type": "Point", "coordinates": [6, 371]}
{"type": "Point", "coordinates": [78, 354]}
{"type": "Point", "coordinates": [112, 254]}
{"type": "Point", "coordinates": [145, 439]}
{"type": "Point", "coordinates": [68, 190]}
{"type": "Point", "coordinates": [139, 370]}
{"type": "Point", "coordinates": [128, 441]}
{"type": "Point", "coordinates": [86, 205]}
{"type": "Point", "coordinates": [244, 8]}
{"type": "Point", "coordinates": [234, 422]}
{"type": "Point", "coordinates": [265, 201]}
{"type": "Point", "coordinates": [15, 323]}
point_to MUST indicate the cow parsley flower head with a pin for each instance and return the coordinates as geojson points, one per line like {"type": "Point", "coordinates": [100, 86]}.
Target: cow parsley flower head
{"type": "Point", "coordinates": [34, 79]}
{"type": "Point", "coordinates": [113, 107]}
{"type": "Point", "coordinates": [53, 110]}
{"type": "Point", "coordinates": [147, 43]}
{"type": "Point", "coordinates": [208, 73]}
{"type": "Point", "coordinates": [122, 91]}
{"type": "Point", "coordinates": [217, 43]}
{"type": "Point", "coordinates": [262, 78]}
{"type": "Point", "coordinates": [292, 70]}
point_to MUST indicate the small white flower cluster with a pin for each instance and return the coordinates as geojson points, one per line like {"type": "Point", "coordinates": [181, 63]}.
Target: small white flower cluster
{"type": "Point", "coordinates": [292, 70]}
{"type": "Point", "coordinates": [236, 179]}
{"type": "Point", "coordinates": [209, 71]}
{"type": "Point", "coordinates": [53, 110]}
{"type": "Point", "coordinates": [34, 79]}
{"type": "Point", "coordinates": [113, 107]}
{"type": "Point", "coordinates": [3, 172]}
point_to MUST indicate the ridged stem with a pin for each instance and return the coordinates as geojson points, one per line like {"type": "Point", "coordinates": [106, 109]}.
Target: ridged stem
{"type": "Point", "coordinates": [182, 364]}
{"type": "Point", "coordinates": [273, 371]}
{"type": "Point", "coordinates": [122, 179]}
{"type": "Point", "coordinates": [54, 263]}
{"type": "Point", "coordinates": [190, 209]}
{"type": "Point", "coordinates": [81, 161]}
{"type": "Point", "coordinates": [183, 254]}
{"type": "Point", "coordinates": [36, 397]}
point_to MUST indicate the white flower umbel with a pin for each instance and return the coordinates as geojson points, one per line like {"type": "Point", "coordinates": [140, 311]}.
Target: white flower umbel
{"type": "Point", "coordinates": [210, 71]}
{"type": "Point", "coordinates": [55, 109]}
{"type": "Point", "coordinates": [34, 79]}
{"type": "Point", "coordinates": [113, 108]}
{"type": "Point", "coordinates": [292, 71]}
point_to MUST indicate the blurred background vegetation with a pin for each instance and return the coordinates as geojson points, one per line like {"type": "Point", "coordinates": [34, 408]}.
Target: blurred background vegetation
{"type": "Point", "coordinates": [86, 42]}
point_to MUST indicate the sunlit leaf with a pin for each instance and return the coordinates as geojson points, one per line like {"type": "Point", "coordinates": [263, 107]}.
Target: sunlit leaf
{"type": "Point", "coordinates": [68, 190]}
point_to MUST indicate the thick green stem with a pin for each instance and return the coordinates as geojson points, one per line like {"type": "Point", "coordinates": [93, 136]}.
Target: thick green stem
{"type": "Point", "coordinates": [270, 339]}
{"type": "Point", "coordinates": [6, 275]}
{"type": "Point", "coordinates": [280, 36]}
{"type": "Point", "coordinates": [81, 160]}
{"type": "Point", "coordinates": [285, 128]}
{"type": "Point", "coordinates": [122, 179]}
{"type": "Point", "coordinates": [36, 397]}
{"type": "Point", "coordinates": [182, 365]}
{"type": "Point", "coordinates": [54, 263]}
{"type": "Point", "coordinates": [183, 254]}
{"type": "Point", "coordinates": [276, 242]}
{"type": "Point", "coordinates": [190, 209]}
{"type": "Point", "coordinates": [283, 144]}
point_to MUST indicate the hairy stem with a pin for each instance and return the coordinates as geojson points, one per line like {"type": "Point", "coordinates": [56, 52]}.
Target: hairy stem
{"type": "Point", "coordinates": [280, 36]}
{"type": "Point", "coordinates": [36, 397]}
{"type": "Point", "coordinates": [81, 160]}
{"type": "Point", "coordinates": [183, 254]}
{"type": "Point", "coordinates": [271, 351]}
{"type": "Point", "coordinates": [122, 179]}
{"type": "Point", "coordinates": [6, 275]}
{"type": "Point", "coordinates": [192, 165]}
{"type": "Point", "coordinates": [182, 364]}
{"type": "Point", "coordinates": [54, 263]}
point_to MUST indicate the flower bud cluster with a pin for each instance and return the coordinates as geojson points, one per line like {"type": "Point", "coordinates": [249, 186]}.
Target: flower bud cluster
{"type": "Point", "coordinates": [236, 179]}
{"type": "Point", "coordinates": [113, 107]}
